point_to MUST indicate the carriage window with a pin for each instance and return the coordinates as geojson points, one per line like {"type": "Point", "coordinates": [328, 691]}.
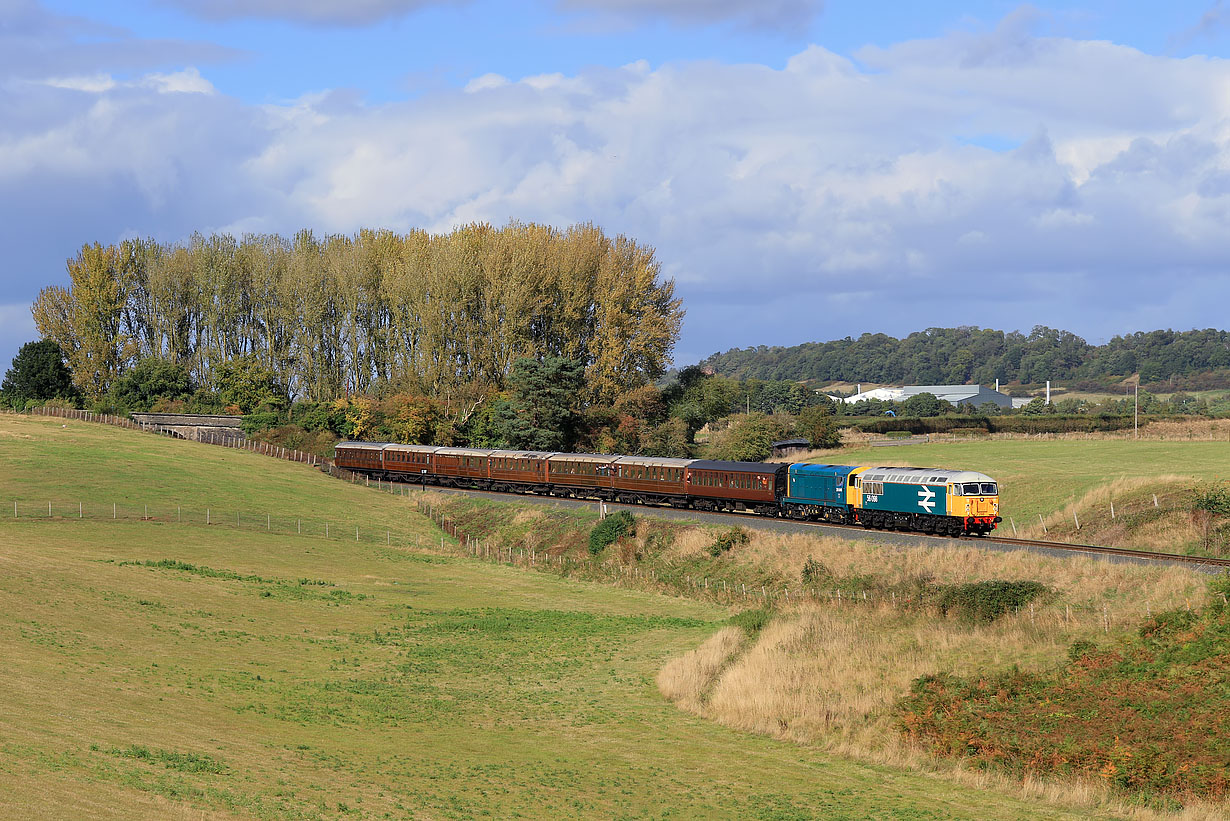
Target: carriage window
{"type": "Point", "coordinates": [989, 489]}
{"type": "Point", "coordinates": [970, 489]}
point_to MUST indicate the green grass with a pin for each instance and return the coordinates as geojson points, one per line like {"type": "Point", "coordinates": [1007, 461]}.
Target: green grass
{"type": "Point", "coordinates": [1042, 476]}
{"type": "Point", "coordinates": [147, 673]}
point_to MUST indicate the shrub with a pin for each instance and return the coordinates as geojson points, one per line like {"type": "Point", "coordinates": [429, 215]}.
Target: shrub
{"type": "Point", "coordinates": [752, 621]}
{"type": "Point", "coordinates": [610, 530]}
{"type": "Point", "coordinates": [735, 536]}
{"type": "Point", "coordinates": [254, 423]}
{"type": "Point", "coordinates": [987, 601]}
{"type": "Point", "coordinates": [1080, 649]}
{"type": "Point", "coordinates": [1213, 498]}
{"type": "Point", "coordinates": [815, 572]}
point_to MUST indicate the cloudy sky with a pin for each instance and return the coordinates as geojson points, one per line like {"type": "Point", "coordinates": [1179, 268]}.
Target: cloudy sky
{"type": "Point", "coordinates": [806, 169]}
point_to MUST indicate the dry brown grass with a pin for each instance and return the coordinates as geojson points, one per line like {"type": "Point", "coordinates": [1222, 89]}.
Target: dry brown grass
{"type": "Point", "coordinates": [1099, 499]}
{"type": "Point", "coordinates": [687, 680]}
{"type": "Point", "coordinates": [828, 674]}
{"type": "Point", "coordinates": [1169, 527]}
{"type": "Point", "coordinates": [1084, 583]}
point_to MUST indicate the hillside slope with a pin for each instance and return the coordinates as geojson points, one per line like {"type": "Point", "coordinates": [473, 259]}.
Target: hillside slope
{"type": "Point", "coordinates": [160, 668]}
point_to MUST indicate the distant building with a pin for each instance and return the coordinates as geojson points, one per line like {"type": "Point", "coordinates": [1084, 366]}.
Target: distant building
{"type": "Point", "coordinates": [974, 395]}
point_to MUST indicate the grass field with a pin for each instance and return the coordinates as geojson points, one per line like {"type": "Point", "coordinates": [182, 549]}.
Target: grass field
{"type": "Point", "coordinates": [158, 669]}
{"type": "Point", "coordinates": [1039, 477]}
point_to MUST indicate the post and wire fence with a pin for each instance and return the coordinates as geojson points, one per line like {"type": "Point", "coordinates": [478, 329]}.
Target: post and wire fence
{"type": "Point", "coordinates": [451, 537]}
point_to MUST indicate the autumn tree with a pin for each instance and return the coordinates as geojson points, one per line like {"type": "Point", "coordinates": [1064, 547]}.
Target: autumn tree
{"type": "Point", "coordinates": [374, 312]}
{"type": "Point", "coordinates": [84, 319]}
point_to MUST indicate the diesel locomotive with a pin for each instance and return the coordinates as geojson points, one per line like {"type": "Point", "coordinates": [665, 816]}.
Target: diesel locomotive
{"type": "Point", "coordinates": [925, 500]}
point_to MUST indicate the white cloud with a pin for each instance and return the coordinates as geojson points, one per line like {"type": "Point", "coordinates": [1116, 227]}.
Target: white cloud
{"type": "Point", "coordinates": [93, 84]}
{"type": "Point", "coordinates": [806, 202]}
{"type": "Point", "coordinates": [485, 82]}
{"type": "Point", "coordinates": [188, 81]}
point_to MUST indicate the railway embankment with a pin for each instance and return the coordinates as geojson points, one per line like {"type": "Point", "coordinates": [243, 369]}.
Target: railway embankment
{"type": "Point", "coordinates": [833, 635]}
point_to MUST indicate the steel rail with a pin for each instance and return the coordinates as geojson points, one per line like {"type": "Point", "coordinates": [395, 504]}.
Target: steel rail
{"type": "Point", "coordinates": [1127, 552]}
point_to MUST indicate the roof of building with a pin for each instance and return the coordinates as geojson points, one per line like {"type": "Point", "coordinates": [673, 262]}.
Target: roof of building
{"type": "Point", "coordinates": [949, 393]}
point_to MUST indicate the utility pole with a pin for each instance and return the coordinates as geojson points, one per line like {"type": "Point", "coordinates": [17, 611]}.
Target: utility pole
{"type": "Point", "coordinates": [1136, 416]}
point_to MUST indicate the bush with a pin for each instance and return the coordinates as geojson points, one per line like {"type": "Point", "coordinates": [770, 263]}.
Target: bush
{"type": "Point", "coordinates": [254, 423]}
{"type": "Point", "coordinates": [1080, 649]}
{"type": "Point", "coordinates": [610, 530]}
{"type": "Point", "coordinates": [752, 621]}
{"type": "Point", "coordinates": [987, 601]}
{"type": "Point", "coordinates": [815, 572]}
{"type": "Point", "coordinates": [1213, 498]}
{"type": "Point", "coordinates": [735, 536]}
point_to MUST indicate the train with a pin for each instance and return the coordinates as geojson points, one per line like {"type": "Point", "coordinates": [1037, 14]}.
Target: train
{"type": "Point", "coordinates": [923, 500]}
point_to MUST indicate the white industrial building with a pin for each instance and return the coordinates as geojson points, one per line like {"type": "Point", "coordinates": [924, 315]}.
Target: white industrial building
{"type": "Point", "coordinates": [974, 395]}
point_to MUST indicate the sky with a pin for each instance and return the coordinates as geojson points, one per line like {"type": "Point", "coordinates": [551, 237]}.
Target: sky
{"type": "Point", "coordinates": [805, 169]}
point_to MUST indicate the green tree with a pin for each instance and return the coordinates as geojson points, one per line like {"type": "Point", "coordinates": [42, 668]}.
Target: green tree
{"type": "Point", "coordinates": [152, 378]}
{"type": "Point", "coordinates": [925, 404]}
{"type": "Point", "coordinates": [1037, 406]}
{"type": "Point", "coordinates": [748, 438]}
{"type": "Point", "coordinates": [248, 384]}
{"type": "Point", "coordinates": [818, 425]}
{"type": "Point", "coordinates": [542, 414]}
{"type": "Point", "coordinates": [669, 438]}
{"type": "Point", "coordinates": [38, 373]}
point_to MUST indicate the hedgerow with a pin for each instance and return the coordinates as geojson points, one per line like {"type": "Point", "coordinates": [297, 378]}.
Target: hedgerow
{"type": "Point", "coordinates": [986, 601]}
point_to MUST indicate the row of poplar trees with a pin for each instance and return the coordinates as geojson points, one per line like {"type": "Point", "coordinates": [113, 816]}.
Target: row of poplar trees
{"type": "Point", "coordinates": [341, 315]}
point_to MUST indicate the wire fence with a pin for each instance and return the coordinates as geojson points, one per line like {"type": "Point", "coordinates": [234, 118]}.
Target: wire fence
{"type": "Point", "coordinates": [226, 440]}
{"type": "Point", "coordinates": [225, 517]}
{"type": "Point", "coordinates": [454, 539]}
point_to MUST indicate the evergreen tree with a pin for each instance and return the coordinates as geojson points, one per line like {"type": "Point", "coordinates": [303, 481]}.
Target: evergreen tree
{"type": "Point", "coordinates": [543, 411]}
{"type": "Point", "coordinates": [38, 373]}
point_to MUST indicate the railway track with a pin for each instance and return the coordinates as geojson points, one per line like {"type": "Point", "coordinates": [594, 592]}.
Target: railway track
{"type": "Point", "coordinates": [1125, 552]}
{"type": "Point", "coordinates": [1202, 562]}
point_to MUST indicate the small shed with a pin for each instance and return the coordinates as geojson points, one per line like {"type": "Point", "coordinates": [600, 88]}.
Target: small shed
{"type": "Point", "coordinates": [789, 447]}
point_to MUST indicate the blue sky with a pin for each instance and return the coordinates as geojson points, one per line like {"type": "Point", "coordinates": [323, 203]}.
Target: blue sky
{"type": "Point", "coordinates": [806, 170]}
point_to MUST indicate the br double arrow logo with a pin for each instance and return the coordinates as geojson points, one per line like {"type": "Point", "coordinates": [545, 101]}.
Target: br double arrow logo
{"type": "Point", "coordinates": [926, 499]}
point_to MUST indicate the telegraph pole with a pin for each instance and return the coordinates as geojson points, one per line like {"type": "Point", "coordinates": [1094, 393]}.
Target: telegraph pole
{"type": "Point", "coordinates": [1136, 416]}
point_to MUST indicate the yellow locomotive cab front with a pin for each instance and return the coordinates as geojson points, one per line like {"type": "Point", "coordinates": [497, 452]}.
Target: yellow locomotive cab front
{"type": "Point", "coordinates": [973, 498]}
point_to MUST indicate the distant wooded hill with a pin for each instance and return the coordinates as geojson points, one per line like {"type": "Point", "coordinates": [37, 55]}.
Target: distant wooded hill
{"type": "Point", "coordinates": [1186, 359]}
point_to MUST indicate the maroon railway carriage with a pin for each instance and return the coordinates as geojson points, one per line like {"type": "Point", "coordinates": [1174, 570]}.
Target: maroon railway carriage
{"type": "Point", "coordinates": [408, 461]}
{"type": "Point", "coordinates": [650, 480]}
{"type": "Point", "coordinates": [365, 457]}
{"type": "Point", "coordinates": [460, 467]}
{"type": "Point", "coordinates": [518, 470]}
{"type": "Point", "coordinates": [585, 475]}
{"type": "Point", "coordinates": [755, 486]}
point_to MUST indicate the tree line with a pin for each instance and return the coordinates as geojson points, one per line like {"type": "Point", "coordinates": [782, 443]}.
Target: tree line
{"type": "Point", "coordinates": [966, 355]}
{"type": "Point", "coordinates": [369, 313]}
